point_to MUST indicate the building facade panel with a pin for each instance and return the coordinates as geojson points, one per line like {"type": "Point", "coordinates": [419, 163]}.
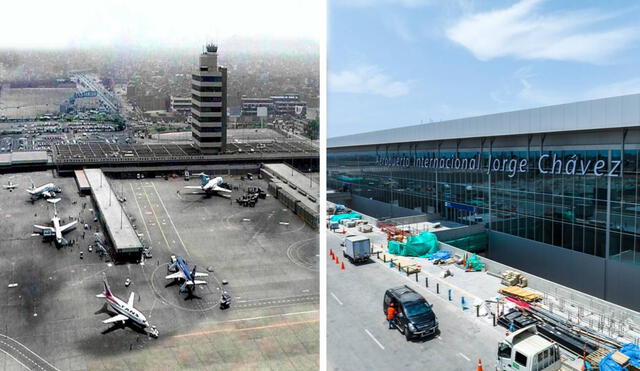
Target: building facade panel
{"type": "Point", "coordinates": [570, 190]}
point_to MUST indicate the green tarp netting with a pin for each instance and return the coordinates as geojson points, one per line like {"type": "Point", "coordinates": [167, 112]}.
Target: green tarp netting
{"type": "Point", "coordinates": [473, 263]}
{"type": "Point", "coordinates": [339, 217]}
{"type": "Point", "coordinates": [422, 246]}
{"type": "Point", "coordinates": [475, 243]}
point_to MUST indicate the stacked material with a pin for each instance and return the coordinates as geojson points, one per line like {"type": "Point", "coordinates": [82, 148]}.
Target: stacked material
{"type": "Point", "coordinates": [338, 218]}
{"type": "Point", "coordinates": [511, 278]}
{"type": "Point", "coordinates": [519, 293]}
{"type": "Point", "coordinates": [627, 359]}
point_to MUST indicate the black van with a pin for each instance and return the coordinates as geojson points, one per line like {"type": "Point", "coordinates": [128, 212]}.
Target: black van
{"type": "Point", "coordinates": [414, 316]}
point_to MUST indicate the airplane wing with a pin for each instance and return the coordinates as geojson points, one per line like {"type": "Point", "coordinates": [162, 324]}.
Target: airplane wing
{"type": "Point", "coordinates": [131, 297]}
{"type": "Point", "coordinates": [196, 282]}
{"type": "Point", "coordinates": [198, 274]}
{"type": "Point", "coordinates": [173, 276]}
{"type": "Point", "coordinates": [117, 318]}
{"type": "Point", "coordinates": [193, 187]}
{"type": "Point", "coordinates": [43, 228]}
{"type": "Point", "coordinates": [68, 227]}
{"type": "Point", "coordinates": [220, 189]}
{"type": "Point", "coordinates": [46, 194]}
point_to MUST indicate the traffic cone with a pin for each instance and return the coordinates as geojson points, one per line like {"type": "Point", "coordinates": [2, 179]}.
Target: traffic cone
{"type": "Point", "coordinates": [337, 260]}
{"type": "Point", "coordinates": [331, 252]}
{"type": "Point", "coordinates": [479, 366]}
{"type": "Point", "coordinates": [342, 266]}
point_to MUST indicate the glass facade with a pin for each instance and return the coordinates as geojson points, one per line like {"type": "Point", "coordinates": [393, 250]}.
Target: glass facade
{"type": "Point", "coordinates": [586, 200]}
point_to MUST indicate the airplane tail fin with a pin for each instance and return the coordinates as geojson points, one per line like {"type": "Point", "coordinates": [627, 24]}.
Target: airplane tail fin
{"type": "Point", "coordinates": [107, 290]}
{"type": "Point", "coordinates": [204, 178]}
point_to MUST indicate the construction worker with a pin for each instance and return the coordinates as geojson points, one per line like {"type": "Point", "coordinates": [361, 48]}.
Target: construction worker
{"type": "Point", "coordinates": [391, 313]}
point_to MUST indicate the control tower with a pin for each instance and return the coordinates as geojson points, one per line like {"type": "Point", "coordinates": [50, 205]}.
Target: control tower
{"type": "Point", "coordinates": [209, 103]}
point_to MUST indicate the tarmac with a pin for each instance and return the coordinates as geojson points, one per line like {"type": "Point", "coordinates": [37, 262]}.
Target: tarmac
{"type": "Point", "coordinates": [52, 319]}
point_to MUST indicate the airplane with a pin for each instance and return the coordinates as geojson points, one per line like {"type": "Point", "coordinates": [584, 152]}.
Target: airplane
{"type": "Point", "coordinates": [10, 186]}
{"type": "Point", "coordinates": [210, 186]}
{"type": "Point", "coordinates": [125, 311]}
{"type": "Point", "coordinates": [48, 190]}
{"type": "Point", "coordinates": [56, 230]}
{"type": "Point", "coordinates": [181, 269]}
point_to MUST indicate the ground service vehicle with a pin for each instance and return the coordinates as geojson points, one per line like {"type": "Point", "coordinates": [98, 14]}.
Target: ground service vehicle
{"type": "Point", "coordinates": [525, 350]}
{"type": "Point", "coordinates": [415, 316]}
{"type": "Point", "coordinates": [356, 248]}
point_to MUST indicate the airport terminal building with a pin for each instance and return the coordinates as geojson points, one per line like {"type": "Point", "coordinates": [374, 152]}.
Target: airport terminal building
{"type": "Point", "coordinates": [557, 188]}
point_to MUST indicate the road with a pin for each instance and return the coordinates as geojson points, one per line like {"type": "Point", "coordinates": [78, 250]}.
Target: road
{"type": "Point", "coordinates": [23, 355]}
{"type": "Point", "coordinates": [358, 337]}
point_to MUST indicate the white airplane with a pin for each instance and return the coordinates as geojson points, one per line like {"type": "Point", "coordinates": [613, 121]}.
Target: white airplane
{"type": "Point", "coordinates": [56, 230]}
{"type": "Point", "coordinates": [125, 311]}
{"type": "Point", "coordinates": [48, 190]}
{"type": "Point", "coordinates": [210, 186]}
{"type": "Point", "coordinates": [184, 274]}
{"type": "Point", "coordinates": [10, 186]}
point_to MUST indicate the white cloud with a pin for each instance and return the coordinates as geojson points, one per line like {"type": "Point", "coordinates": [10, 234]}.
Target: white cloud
{"type": "Point", "coordinates": [399, 27]}
{"type": "Point", "coordinates": [522, 31]}
{"type": "Point", "coordinates": [367, 79]}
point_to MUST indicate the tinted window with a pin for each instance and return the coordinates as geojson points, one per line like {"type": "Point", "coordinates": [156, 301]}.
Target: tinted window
{"type": "Point", "coordinates": [521, 359]}
{"type": "Point", "coordinates": [416, 308]}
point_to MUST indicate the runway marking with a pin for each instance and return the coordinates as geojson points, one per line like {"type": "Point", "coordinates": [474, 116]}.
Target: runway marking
{"type": "Point", "coordinates": [29, 350]}
{"type": "Point", "coordinates": [15, 359]}
{"type": "Point", "coordinates": [156, 216]}
{"type": "Point", "coordinates": [270, 316]}
{"type": "Point", "coordinates": [141, 214]}
{"type": "Point", "coordinates": [277, 325]}
{"type": "Point", "coordinates": [374, 339]}
{"type": "Point", "coordinates": [465, 357]}
{"type": "Point", "coordinates": [171, 220]}
{"type": "Point", "coordinates": [335, 297]}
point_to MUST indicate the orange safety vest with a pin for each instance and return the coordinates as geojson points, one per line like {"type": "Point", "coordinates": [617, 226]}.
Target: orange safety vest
{"type": "Point", "coordinates": [391, 312]}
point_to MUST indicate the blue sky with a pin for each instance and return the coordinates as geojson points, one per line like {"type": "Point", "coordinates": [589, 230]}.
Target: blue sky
{"type": "Point", "coordinates": [393, 63]}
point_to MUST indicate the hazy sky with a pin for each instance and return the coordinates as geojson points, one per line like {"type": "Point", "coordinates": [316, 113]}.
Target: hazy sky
{"type": "Point", "coordinates": [177, 23]}
{"type": "Point", "coordinates": [394, 63]}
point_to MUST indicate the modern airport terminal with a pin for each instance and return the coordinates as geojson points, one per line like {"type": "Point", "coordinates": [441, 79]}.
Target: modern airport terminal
{"type": "Point", "coordinates": [518, 230]}
{"type": "Point", "coordinates": [553, 191]}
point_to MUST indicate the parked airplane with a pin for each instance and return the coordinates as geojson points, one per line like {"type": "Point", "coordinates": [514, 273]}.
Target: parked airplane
{"type": "Point", "coordinates": [181, 269]}
{"type": "Point", "coordinates": [210, 186]}
{"type": "Point", "coordinates": [48, 190]}
{"type": "Point", "coordinates": [10, 186]}
{"type": "Point", "coordinates": [125, 311]}
{"type": "Point", "coordinates": [56, 230]}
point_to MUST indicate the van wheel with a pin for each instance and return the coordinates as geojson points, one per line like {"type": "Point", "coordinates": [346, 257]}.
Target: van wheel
{"type": "Point", "coordinates": [407, 334]}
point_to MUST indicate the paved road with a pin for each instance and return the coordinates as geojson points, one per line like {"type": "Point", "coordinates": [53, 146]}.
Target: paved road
{"type": "Point", "coordinates": [358, 338]}
{"type": "Point", "coordinates": [24, 355]}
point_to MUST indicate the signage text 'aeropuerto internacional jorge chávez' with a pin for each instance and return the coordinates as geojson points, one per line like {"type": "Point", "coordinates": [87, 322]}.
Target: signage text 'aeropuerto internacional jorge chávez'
{"type": "Point", "coordinates": [545, 163]}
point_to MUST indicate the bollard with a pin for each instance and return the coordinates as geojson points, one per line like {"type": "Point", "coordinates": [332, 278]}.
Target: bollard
{"type": "Point", "coordinates": [378, 255]}
{"type": "Point", "coordinates": [399, 267]}
{"type": "Point", "coordinates": [426, 282]}
{"type": "Point", "coordinates": [384, 258]}
{"type": "Point", "coordinates": [449, 294]}
{"type": "Point", "coordinates": [437, 288]}
{"type": "Point", "coordinates": [416, 276]}
{"type": "Point", "coordinates": [477, 310]}
{"type": "Point", "coordinates": [493, 315]}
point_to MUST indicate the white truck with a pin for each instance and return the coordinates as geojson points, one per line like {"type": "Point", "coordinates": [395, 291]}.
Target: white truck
{"type": "Point", "coordinates": [356, 248]}
{"type": "Point", "coordinates": [525, 350]}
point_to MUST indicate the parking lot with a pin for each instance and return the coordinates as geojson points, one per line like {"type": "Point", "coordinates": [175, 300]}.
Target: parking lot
{"type": "Point", "coordinates": [266, 254]}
